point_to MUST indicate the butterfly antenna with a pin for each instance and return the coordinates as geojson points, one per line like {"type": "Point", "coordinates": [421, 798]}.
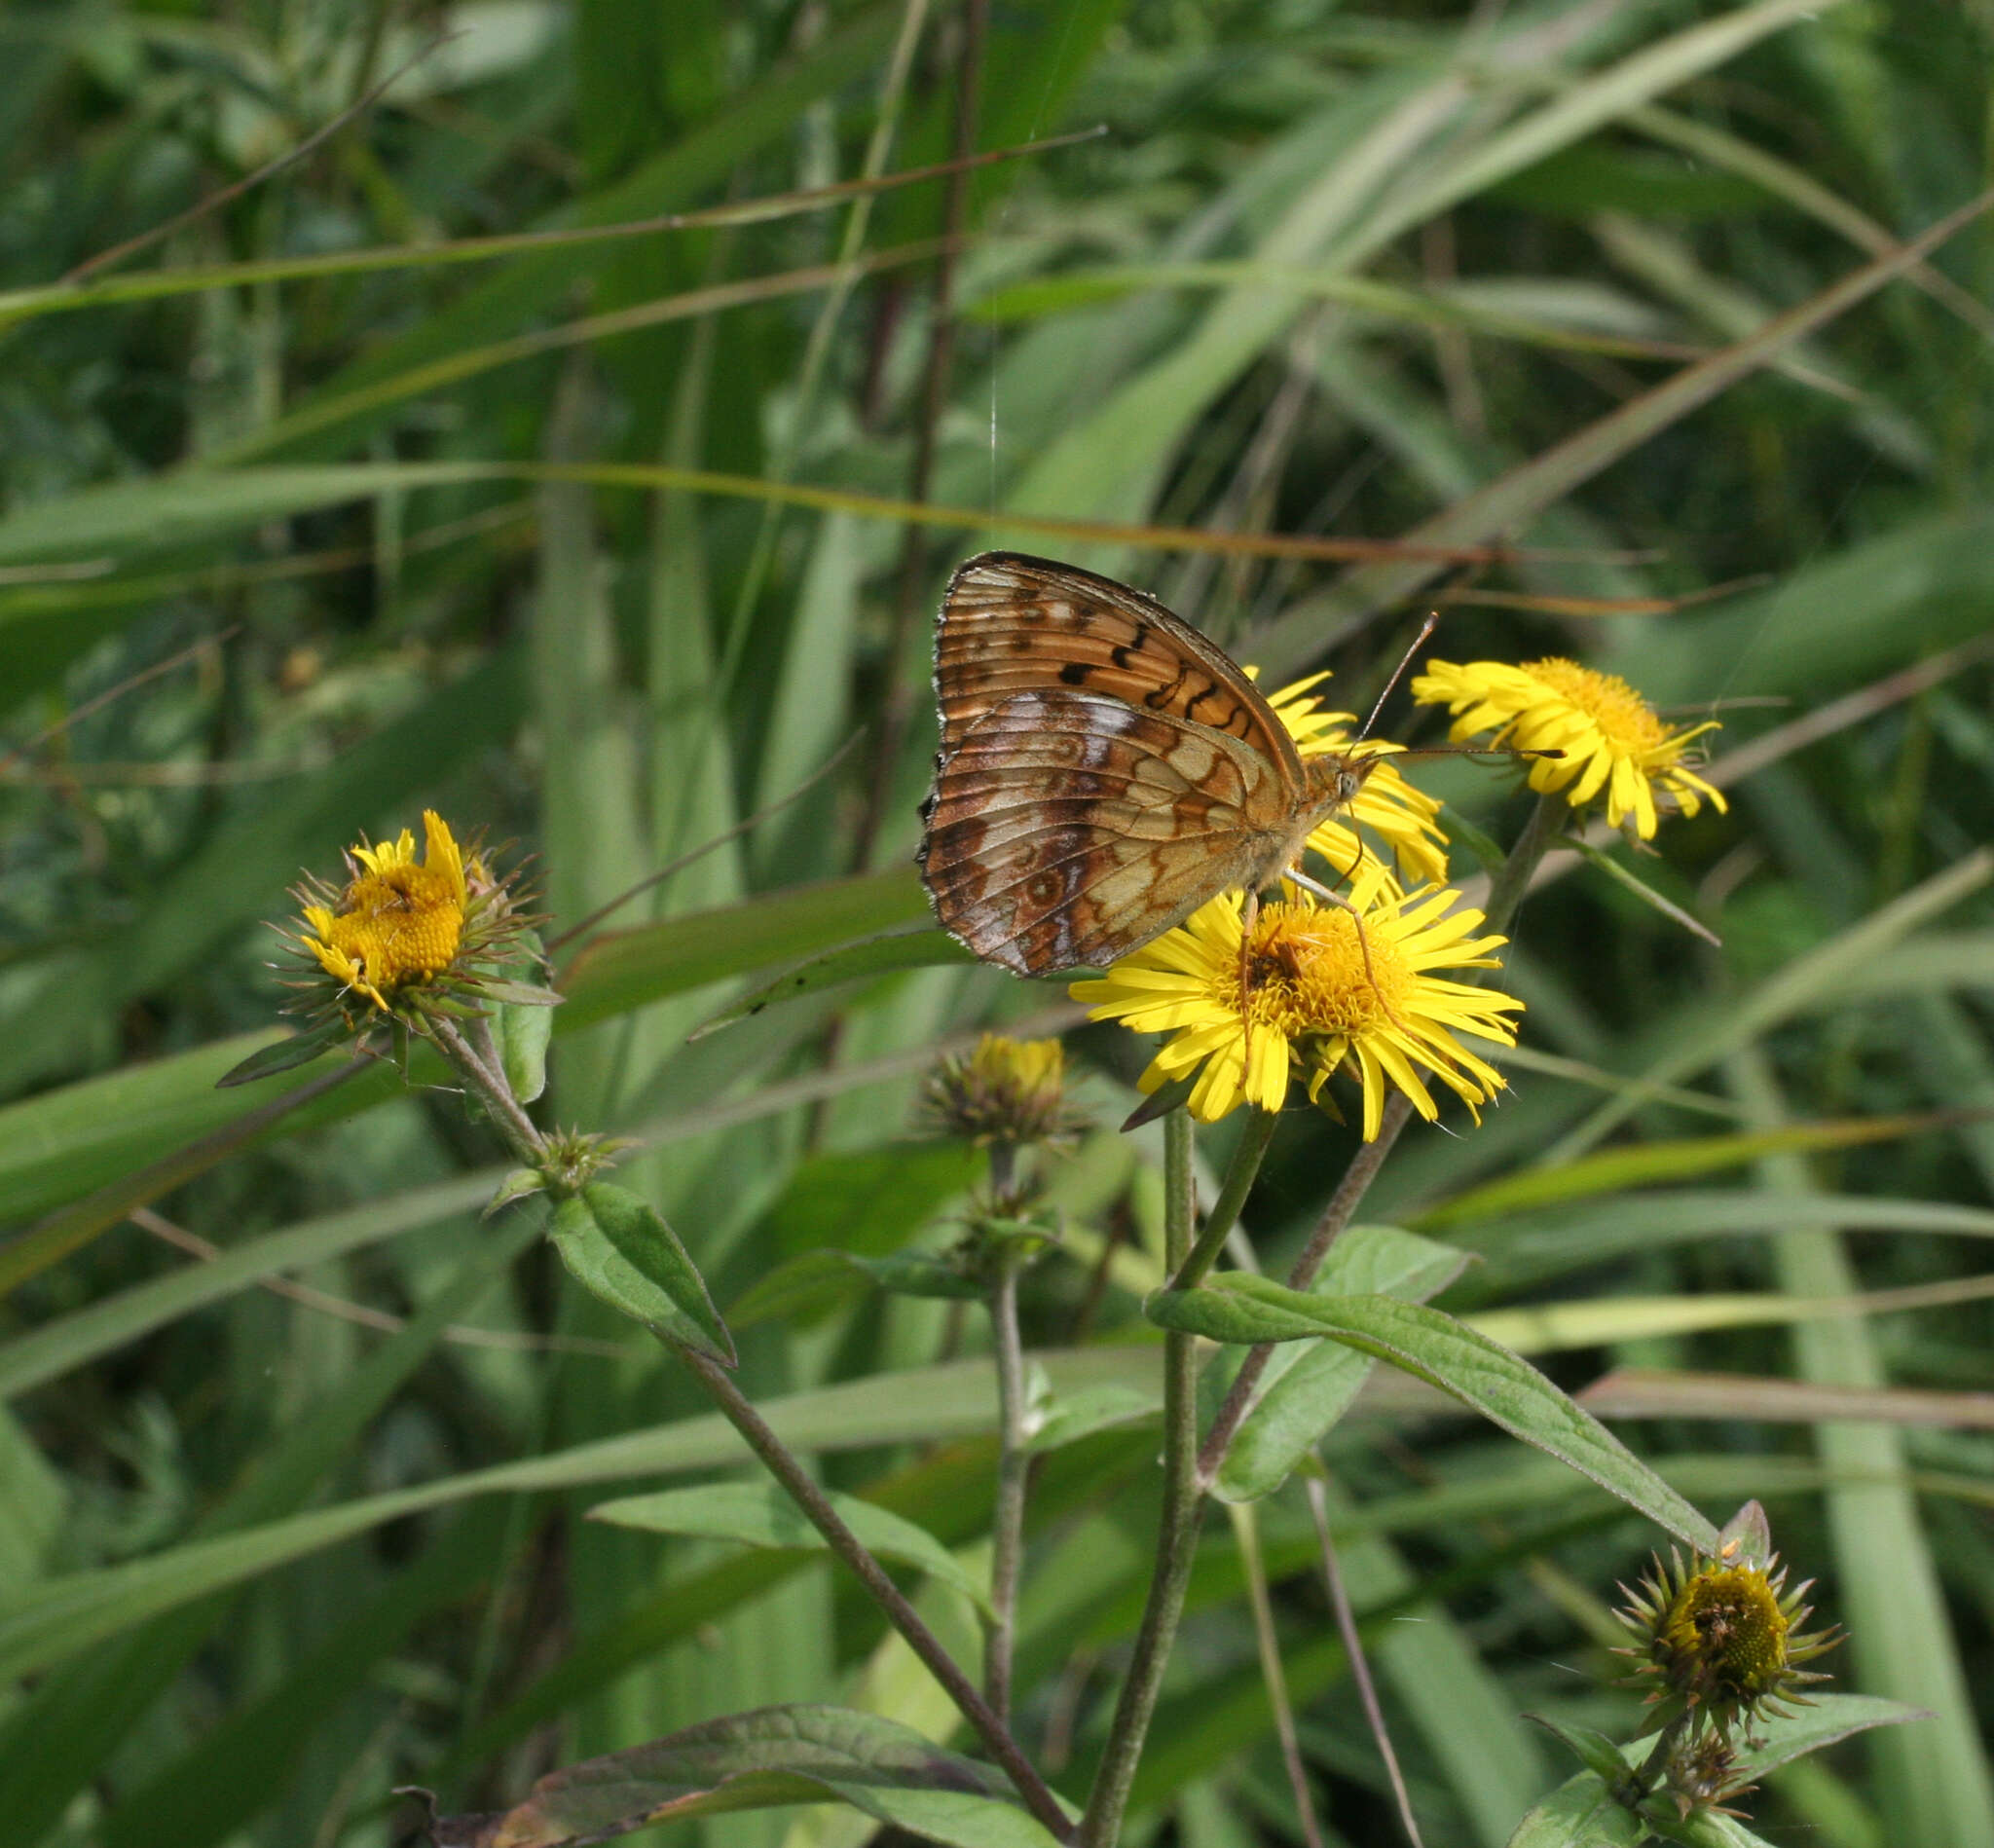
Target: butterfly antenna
{"type": "Point", "coordinates": [1405, 661]}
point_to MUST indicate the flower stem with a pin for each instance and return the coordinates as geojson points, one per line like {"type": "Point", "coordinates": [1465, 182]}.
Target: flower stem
{"type": "Point", "coordinates": [1177, 1533]}
{"type": "Point", "coordinates": [1343, 1205]}
{"type": "Point", "coordinates": [1241, 1175]}
{"type": "Point", "coordinates": [522, 1135]}
{"type": "Point", "coordinates": [1507, 888]}
{"type": "Point", "coordinates": [1013, 1463]}
{"type": "Point", "coordinates": [1508, 883]}
{"type": "Point", "coordinates": [783, 1465]}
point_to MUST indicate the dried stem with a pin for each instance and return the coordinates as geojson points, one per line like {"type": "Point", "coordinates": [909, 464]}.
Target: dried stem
{"type": "Point", "coordinates": [810, 1499]}
{"type": "Point", "coordinates": [1360, 1667]}
{"type": "Point", "coordinates": [1246, 1530]}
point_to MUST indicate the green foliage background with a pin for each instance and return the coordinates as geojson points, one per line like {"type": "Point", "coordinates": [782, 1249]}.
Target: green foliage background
{"type": "Point", "coordinates": [1398, 270]}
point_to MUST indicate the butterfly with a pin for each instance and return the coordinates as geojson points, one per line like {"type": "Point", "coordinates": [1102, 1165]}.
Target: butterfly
{"type": "Point", "coordinates": [1104, 770]}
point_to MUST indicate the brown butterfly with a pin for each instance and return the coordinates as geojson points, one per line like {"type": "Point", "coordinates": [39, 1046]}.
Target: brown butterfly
{"type": "Point", "coordinates": [1104, 770]}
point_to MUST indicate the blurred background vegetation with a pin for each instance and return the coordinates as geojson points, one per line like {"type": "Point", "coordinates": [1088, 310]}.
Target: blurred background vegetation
{"type": "Point", "coordinates": [290, 553]}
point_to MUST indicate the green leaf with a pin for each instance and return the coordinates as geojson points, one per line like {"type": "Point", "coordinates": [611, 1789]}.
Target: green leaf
{"type": "Point", "coordinates": [1066, 1418]}
{"type": "Point", "coordinates": [618, 1247]}
{"type": "Point", "coordinates": [809, 1287]}
{"type": "Point", "coordinates": [521, 1184]}
{"type": "Point", "coordinates": [517, 994]}
{"type": "Point", "coordinates": [65, 1614]}
{"type": "Point", "coordinates": [760, 1514]}
{"type": "Point", "coordinates": [870, 1200]}
{"type": "Point", "coordinates": [1646, 1163]}
{"type": "Point", "coordinates": [1502, 1386]}
{"type": "Point", "coordinates": [768, 1758]}
{"type": "Point", "coordinates": [1826, 1721]}
{"type": "Point", "coordinates": [1580, 1813]}
{"type": "Point", "coordinates": [626, 969]}
{"type": "Point", "coordinates": [887, 953]}
{"type": "Point", "coordinates": [523, 1034]}
{"type": "Point", "coordinates": [301, 1049]}
{"type": "Point", "coordinates": [1594, 1750]}
{"type": "Point", "coordinates": [1305, 1389]}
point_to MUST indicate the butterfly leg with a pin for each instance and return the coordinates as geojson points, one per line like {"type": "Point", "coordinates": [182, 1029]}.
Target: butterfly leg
{"type": "Point", "coordinates": [1356, 918]}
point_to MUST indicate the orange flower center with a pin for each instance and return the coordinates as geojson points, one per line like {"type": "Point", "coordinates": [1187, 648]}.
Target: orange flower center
{"type": "Point", "coordinates": [1308, 971]}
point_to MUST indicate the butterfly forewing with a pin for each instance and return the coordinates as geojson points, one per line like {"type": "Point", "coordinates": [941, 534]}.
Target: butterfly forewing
{"type": "Point", "coordinates": [1104, 770]}
{"type": "Point", "coordinates": [1014, 624]}
{"type": "Point", "coordinates": [1067, 828]}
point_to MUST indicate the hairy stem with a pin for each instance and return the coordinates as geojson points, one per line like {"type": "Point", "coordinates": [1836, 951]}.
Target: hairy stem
{"type": "Point", "coordinates": [1241, 1175]}
{"type": "Point", "coordinates": [1343, 1205]}
{"type": "Point", "coordinates": [1177, 1532]}
{"type": "Point", "coordinates": [782, 1464]}
{"type": "Point", "coordinates": [1013, 1463]}
{"type": "Point", "coordinates": [520, 1134]}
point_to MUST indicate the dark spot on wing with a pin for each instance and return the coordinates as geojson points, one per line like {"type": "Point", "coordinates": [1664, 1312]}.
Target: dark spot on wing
{"type": "Point", "coordinates": [1128, 649]}
{"type": "Point", "coordinates": [1074, 673]}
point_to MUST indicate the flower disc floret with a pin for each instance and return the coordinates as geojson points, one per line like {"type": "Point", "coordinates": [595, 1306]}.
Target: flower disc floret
{"type": "Point", "coordinates": [1613, 744]}
{"type": "Point", "coordinates": [1389, 807]}
{"type": "Point", "coordinates": [1325, 990]}
{"type": "Point", "coordinates": [404, 930]}
{"type": "Point", "coordinates": [1721, 1638]}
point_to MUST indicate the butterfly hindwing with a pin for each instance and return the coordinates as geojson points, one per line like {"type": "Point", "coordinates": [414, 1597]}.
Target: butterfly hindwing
{"type": "Point", "coordinates": [1013, 624]}
{"type": "Point", "coordinates": [1067, 828]}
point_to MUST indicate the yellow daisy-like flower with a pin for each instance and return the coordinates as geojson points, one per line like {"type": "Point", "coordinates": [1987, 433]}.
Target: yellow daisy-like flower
{"type": "Point", "coordinates": [1719, 1639]}
{"type": "Point", "coordinates": [1611, 737]}
{"type": "Point", "coordinates": [1004, 1090]}
{"type": "Point", "coordinates": [397, 922]}
{"type": "Point", "coordinates": [1320, 998]}
{"type": "Point", "coordinates": [1387, 805]}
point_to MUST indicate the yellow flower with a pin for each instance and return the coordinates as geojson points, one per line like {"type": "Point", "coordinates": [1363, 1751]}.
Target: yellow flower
{"type": "Point", "coordinates": [1320, 998]}
{"type": "Point", "coordinates": [1611, 737]}
{"type": "Point", "coordinates": [1389, 806]}
{"type": "Point", "coordinates": [1004, 1090]}
{"type": "Point", "coordinates": [397, 922]}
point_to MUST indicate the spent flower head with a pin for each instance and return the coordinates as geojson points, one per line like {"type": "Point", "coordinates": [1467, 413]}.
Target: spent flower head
{"type": "Point", "coordinates": [1612, 741]}
{"type": "Point", "coordinates": [1403, 817]}
{"type": "Point", "coordinates": [404, 937]}
{"type": "Point", "coordinates": [1004, 1091]}
{"type": "Point", "coordinates": [1314, 990]}
{"type": "Point", "coordinates": [1704, 1774]}
{"type": "Point", "coordinates": [1719, 1640]}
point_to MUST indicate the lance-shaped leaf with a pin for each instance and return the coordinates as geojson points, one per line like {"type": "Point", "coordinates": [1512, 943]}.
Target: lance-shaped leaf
{"type": "Point", "coordinates": [1306, 1388]}
{"type": "Point", "coordinates": [1482, 1374]}
{"type": "Point", "coordinates": [1580, 1813]}
{"type": "Point", "coordinates": [764, 1760]}
{"type": "Point", "coordinates": [760, 1514]}
{"type": "Point", "coordinates": [618, 1247]}
{"type": "Point", "coordinates": [809, 1287]}
{"type": "Point", "coordinates": [285, 1055]}
{"type": "Point", "coordinates": [887, 953]}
